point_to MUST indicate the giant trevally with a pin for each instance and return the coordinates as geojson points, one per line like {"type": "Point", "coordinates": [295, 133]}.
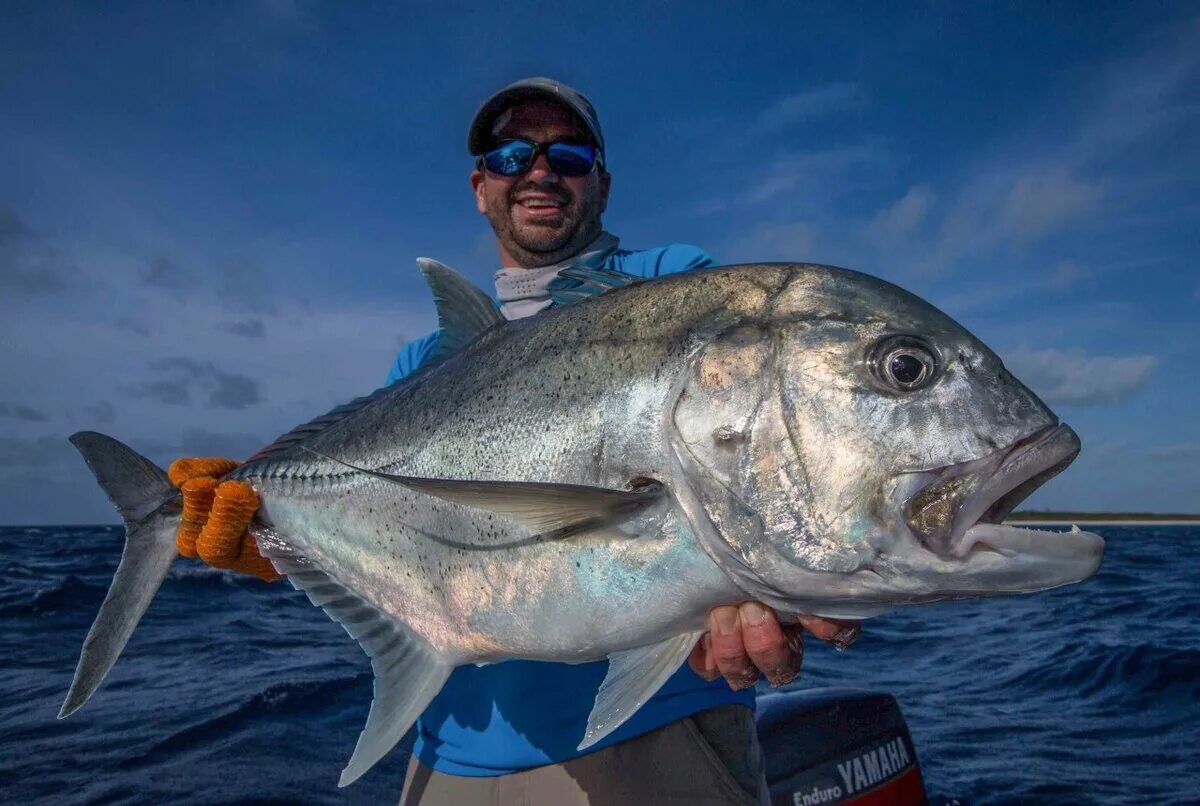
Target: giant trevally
{"type": "Point", "coordinates": [589, 482]}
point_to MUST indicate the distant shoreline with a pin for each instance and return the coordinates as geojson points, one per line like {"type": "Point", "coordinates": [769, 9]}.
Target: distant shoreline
{"type": "Point", "coordinates": [1111, 518]}
{"type": "Point", "coordinates": [1086, 522]}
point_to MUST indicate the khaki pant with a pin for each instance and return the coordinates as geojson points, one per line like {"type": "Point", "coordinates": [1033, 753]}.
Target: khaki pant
{"type": "Point", "coordinates": [710, 758]}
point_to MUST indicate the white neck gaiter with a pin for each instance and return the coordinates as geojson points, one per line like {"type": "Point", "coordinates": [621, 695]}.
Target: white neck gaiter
{"type": "Point", "coordinates": [524, 292]}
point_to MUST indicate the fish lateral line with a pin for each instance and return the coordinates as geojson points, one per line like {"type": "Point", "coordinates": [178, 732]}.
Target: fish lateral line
{"type": "Point", "coordinates": [555, 511]}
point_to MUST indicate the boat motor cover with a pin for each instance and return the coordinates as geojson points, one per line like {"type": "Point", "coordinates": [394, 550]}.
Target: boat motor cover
{"type": "Point", "coordinates": [837, 746]}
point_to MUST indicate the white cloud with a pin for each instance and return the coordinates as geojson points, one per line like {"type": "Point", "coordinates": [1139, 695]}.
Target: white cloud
{"type": "Point", "coordinates": [997, 209]}
{"type": "Point", "coordinates": [1067, 169]}
{"type": "Point", "coordinates": [1072, 377]}
{"type": "Point", "coordinates": [808, 180]}
{"type": "Point", "coordinates": [904, 217]}
{"type": "Point", "coordinates": [1042, 201]}
{"type": "Point", "coordinates": [812, 103]}
{"type": "Point", "coordinates": [1180, 450]}
{"type": "Point", "coordinates": [1140, 95]}
{"type": "Point", "coordinates": [1066, 274]}
{"type": "Point", "coordinates": [28, 264]}
{"type": "Point", "coordinates": [790, 242]}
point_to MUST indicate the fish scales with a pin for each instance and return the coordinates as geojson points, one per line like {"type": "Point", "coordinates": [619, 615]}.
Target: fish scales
{"type": "Point", "coordinates": [600, 373]}
{"type": "Point", "coordinates": [589, 482]}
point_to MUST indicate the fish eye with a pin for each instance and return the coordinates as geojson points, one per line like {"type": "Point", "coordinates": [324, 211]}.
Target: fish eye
{"type": "Point", "coordinates": [904, 363]}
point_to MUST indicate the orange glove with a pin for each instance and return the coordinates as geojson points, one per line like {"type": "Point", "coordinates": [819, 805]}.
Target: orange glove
{"type": "Point", "coordinates": [216, 515]}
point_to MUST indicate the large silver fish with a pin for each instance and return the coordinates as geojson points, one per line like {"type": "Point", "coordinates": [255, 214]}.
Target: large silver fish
{"type": "Point", "coordinates": [589, 482]}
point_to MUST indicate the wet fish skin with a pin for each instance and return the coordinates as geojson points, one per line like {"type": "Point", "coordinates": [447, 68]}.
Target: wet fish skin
{"type": "Point", "coordinates": [591, 481]}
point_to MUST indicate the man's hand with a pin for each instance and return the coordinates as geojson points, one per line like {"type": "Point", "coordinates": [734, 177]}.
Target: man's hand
{"type": "Point", "coordinates": [747, 640]}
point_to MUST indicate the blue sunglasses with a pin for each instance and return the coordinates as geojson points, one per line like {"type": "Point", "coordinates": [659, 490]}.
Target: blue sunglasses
{"type": "Point", "coordinates": [516, 157]}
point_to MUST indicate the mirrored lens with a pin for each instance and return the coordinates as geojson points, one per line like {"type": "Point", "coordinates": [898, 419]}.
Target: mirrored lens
{"type": "Point", "coordinates": [570, 159]}
{"type": "Point", "coordinates": [510, 159]}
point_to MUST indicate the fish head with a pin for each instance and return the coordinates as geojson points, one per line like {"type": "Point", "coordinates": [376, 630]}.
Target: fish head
{"type": "Point", "coordinates": [855, 448]}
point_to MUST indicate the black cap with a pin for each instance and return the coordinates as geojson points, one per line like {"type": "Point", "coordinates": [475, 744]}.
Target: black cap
{"type": "Point", "coordinates": [479, 136]}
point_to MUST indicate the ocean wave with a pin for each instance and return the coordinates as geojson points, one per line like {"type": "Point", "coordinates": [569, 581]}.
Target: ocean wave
{"type": "Point", "coordinates": [1086, 693]}
{"type": "Point", "coordinates": [1130, 674]}
{"type": "Point", "coordinates": [201, 576]}
{"type": "Point", "coordinates": [71, 594]}
{"type": "Point", "coordinates": [287, 699]}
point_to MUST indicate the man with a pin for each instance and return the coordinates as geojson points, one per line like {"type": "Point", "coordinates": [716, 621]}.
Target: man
{"type": "Point", "coordinates": [508, 732]}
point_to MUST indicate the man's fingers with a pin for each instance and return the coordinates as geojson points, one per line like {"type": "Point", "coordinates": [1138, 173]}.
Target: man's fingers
{"type": "Point", "coordinates": [747, 639]}
{"type": "Point", "coordinates": [701, 660]}
{"type": "Point", "coordinates": [767, 645]}
{"type": "Point", "coordinates": [840, 633]}
{"type": "Point", "coordinates": [728, 652]}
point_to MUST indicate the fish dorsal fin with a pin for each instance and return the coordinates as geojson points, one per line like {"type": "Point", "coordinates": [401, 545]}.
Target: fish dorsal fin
{"type": "Point", "coordinates": [306, 430]}
{"type": "Point", "coordinates": [540, 506]}
{"type": "Point", "coordinates": [408, 671]}
{"type": "Point", "coordinates": [576, 283]}
{"type": "Point", "coordinates": [634, 676]}
{"type": "Point", "coordinates": [464, 310]}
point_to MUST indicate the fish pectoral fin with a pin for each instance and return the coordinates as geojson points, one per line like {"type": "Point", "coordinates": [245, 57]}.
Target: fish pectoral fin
{"type": "Point", "coordinates": [408, 671]}
{"type": "Point", "coordinates": [634, 676]}
{"type": "Point", "coordinates": [540, 506]}
{"type": "Point", "coordinates": [464, 310]}
{"type": "Point", "coordinates": [543, 507]}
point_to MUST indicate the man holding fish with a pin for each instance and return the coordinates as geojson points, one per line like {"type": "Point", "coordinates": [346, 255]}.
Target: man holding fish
{"type": "Point", "coordinates": [629, 478]}
{"type": "Point", "coordinates": [541, 181]}
{"type": "Point", "coordinates": [495, 731]}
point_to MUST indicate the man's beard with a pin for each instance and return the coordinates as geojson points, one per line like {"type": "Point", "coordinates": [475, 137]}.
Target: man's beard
{"type": "Point", "coordinates": [532, 245]}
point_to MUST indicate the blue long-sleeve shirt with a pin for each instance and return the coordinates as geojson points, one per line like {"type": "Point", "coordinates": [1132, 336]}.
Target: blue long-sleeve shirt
{"type": "Point", "coordinates": [499, 719]}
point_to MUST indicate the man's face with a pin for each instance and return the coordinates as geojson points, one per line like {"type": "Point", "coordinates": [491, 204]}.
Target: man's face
{"type": "Point", "coordinates": [541, 217]}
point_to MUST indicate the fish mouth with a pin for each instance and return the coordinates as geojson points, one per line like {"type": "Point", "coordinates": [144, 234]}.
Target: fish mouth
{"type": "Point", "coordinates": [961, 508]}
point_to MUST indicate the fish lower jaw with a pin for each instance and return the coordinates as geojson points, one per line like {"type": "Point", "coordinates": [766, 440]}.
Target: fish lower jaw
{"type": "Point", "coordinates": [1018, 541]}
{"type": "Point", "coordinates": [951, 506]}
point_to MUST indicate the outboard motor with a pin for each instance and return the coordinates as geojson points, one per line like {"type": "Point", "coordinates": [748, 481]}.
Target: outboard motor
{"type": "Point", "coordinates": [837, 746]}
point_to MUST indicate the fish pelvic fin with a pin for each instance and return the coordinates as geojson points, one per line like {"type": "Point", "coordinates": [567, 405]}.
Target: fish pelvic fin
{"type": "Point", "coordinates": [409, 672]}
{"type": "Point", "coordinates": [634, 676]}
{"type": "Point", "coordinates": [149, 505]}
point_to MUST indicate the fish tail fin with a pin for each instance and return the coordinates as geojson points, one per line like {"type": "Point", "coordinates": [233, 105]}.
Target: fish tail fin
{"type": "Point", "coordinates": [148, 503]}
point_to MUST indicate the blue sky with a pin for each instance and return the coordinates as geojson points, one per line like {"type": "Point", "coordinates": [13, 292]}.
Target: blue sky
{"type": "Point", "coordinates": [209, 212]}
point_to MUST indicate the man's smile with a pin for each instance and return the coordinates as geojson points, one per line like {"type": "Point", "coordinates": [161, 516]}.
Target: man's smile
{"type": "Point", "coordinates": [540, 205]}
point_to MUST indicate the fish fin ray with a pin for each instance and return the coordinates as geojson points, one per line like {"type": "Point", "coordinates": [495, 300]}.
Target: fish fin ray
{"type": "Point", "coordinates": [634, 676]}
{"type": "Point", "coordinates": [134, 484]}
{"type": "Point", "coordinates": [577, 283]}
{"type": "Point", "coordinates": [139, 490]}
{"type": "Point", "coordinates": [540, 506]}
{"type": "Point", "coordinates": [302, 432]}
{"type": "Point", "coordinates": [464, 311]}
{"type": "Point", "coordinates": [408, 671]}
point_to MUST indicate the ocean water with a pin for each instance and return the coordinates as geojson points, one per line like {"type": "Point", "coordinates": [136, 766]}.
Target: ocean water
{"type": "Point", "coordinates": [234, 691]}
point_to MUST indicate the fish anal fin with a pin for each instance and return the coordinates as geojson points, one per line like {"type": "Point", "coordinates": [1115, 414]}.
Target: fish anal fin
{"type": "Point", "coordinates": [409, 672]}
{"type": "Point", "coordinates": [634, 676]}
